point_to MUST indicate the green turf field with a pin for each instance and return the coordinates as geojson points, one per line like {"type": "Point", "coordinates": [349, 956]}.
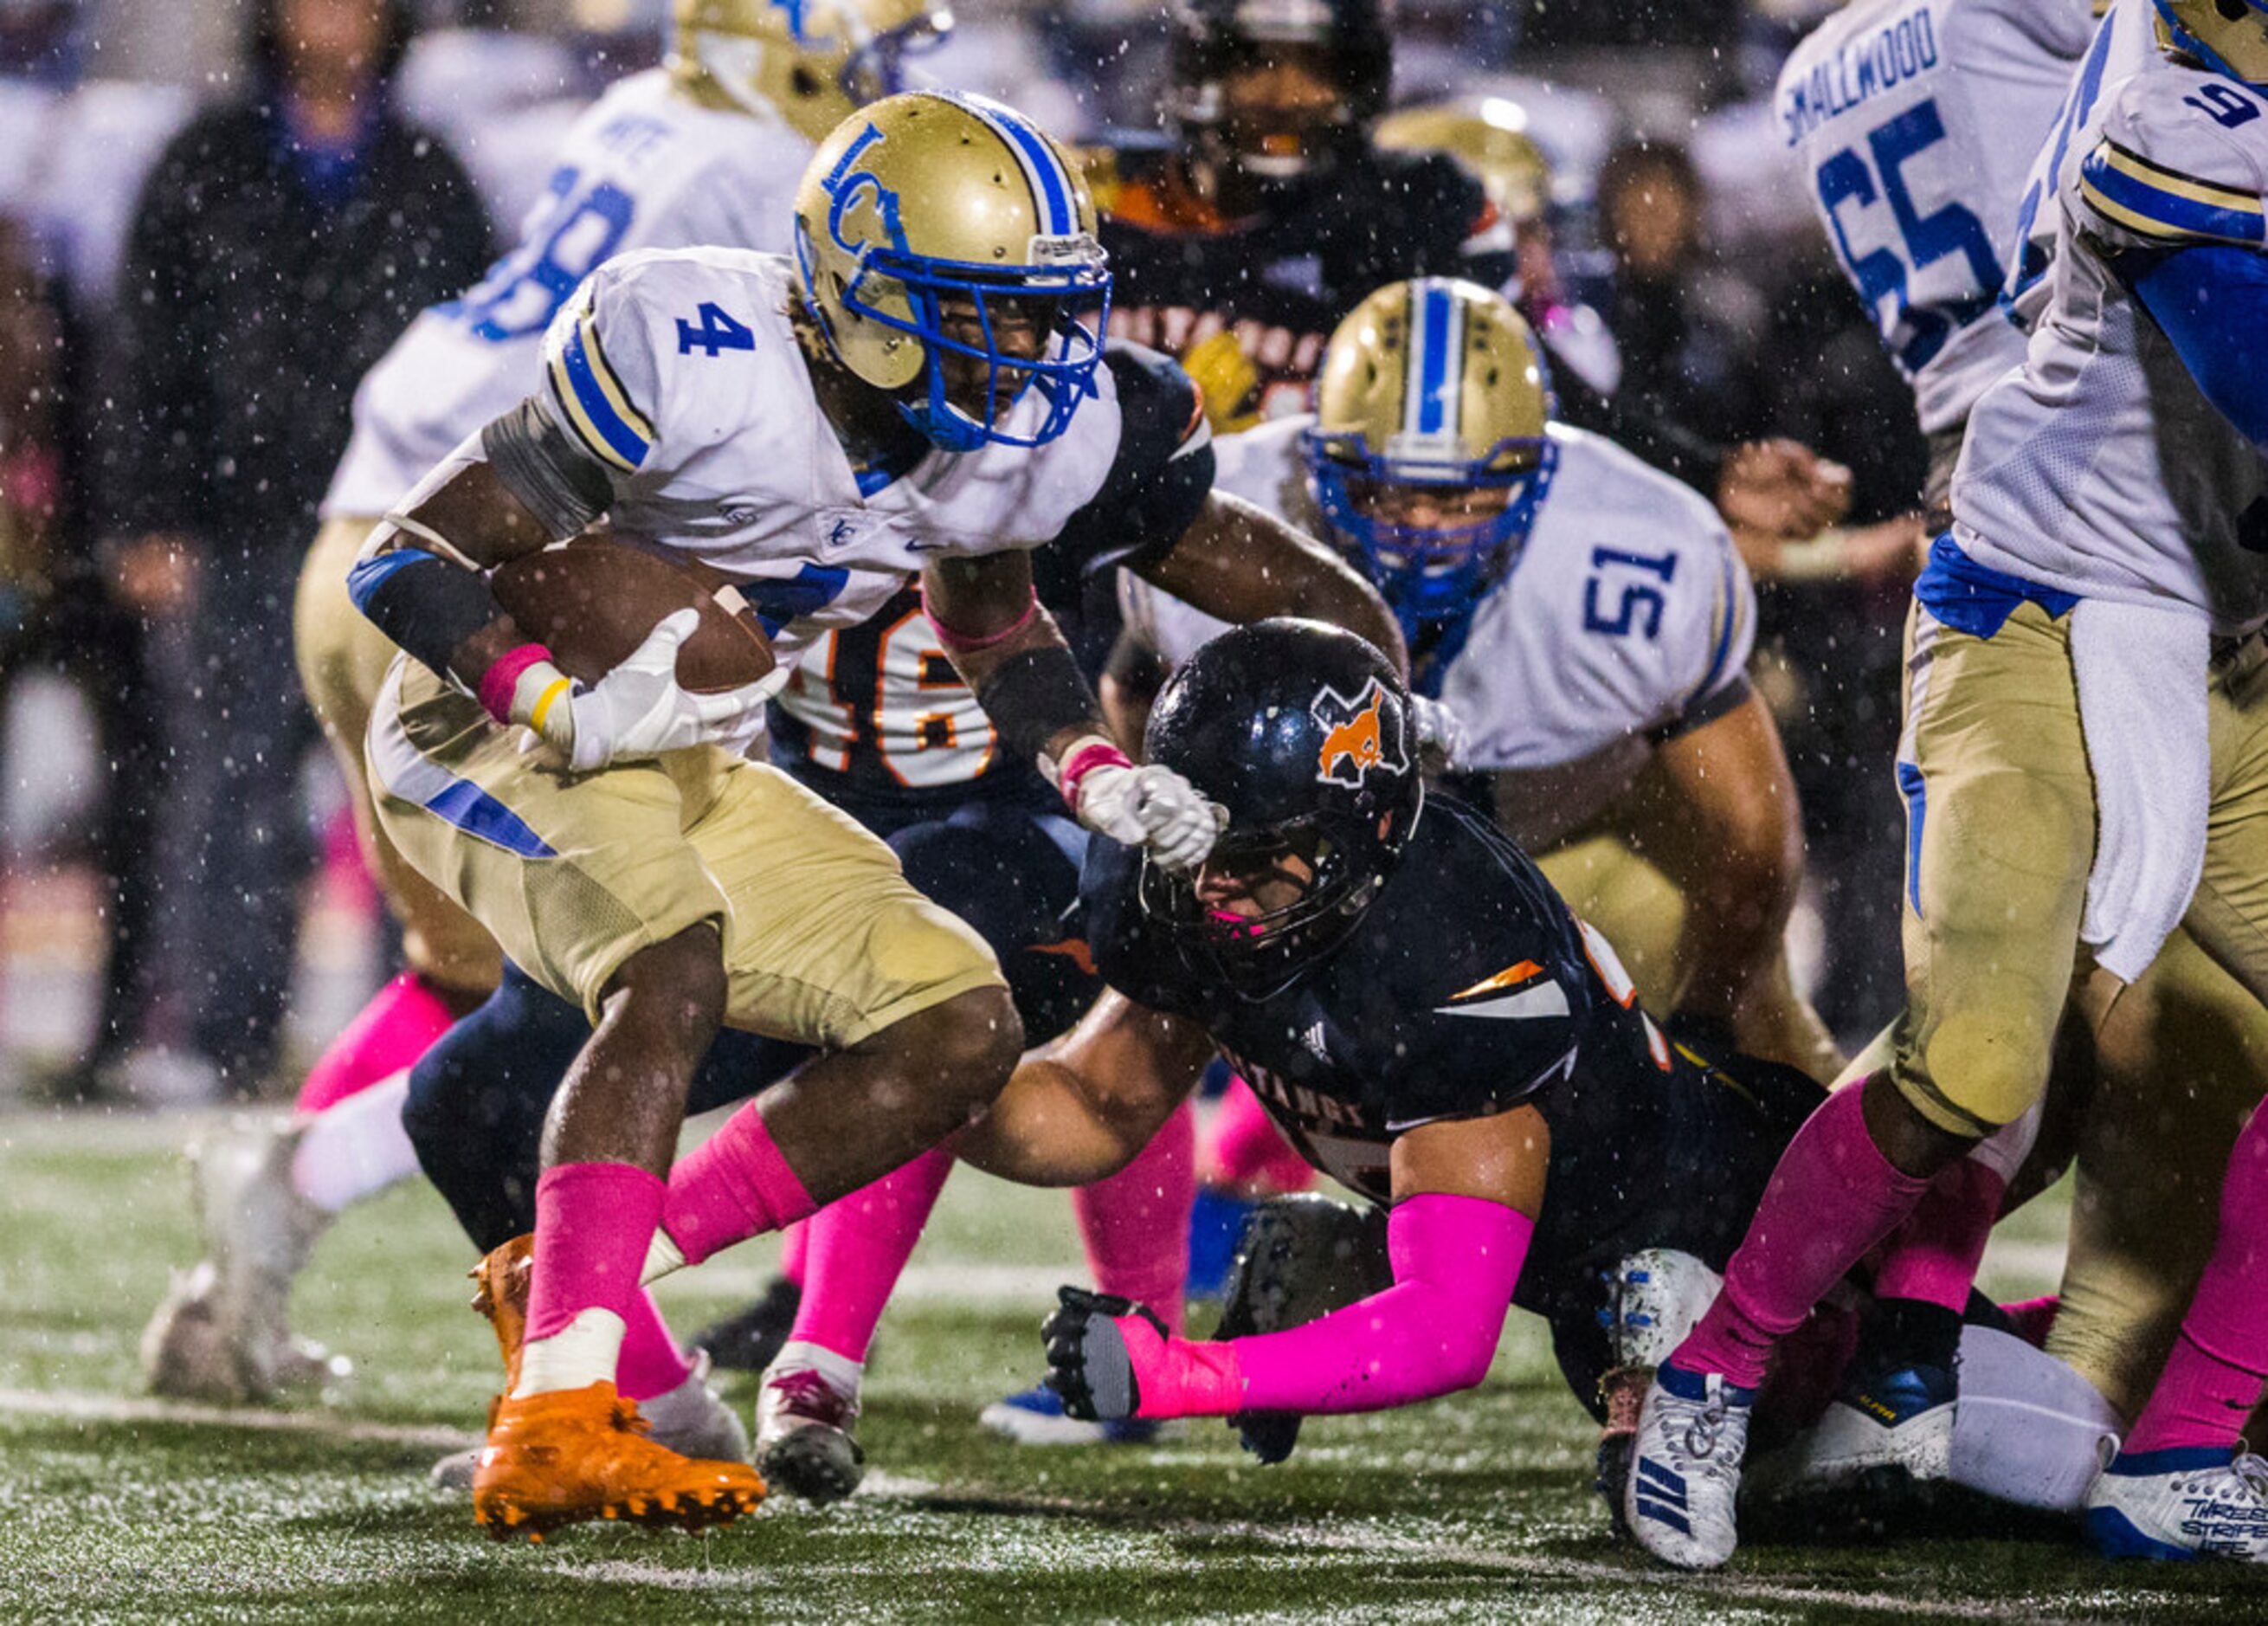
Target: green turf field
{"type": "Point", "coordinates": [118, 1508]}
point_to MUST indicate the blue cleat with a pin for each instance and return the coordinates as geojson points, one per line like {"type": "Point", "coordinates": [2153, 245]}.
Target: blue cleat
{"type": "Point", "coordinates": [1036, 1418]}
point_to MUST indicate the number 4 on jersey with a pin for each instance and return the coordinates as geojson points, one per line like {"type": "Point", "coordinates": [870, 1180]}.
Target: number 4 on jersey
{"type": "Point", "coordinates": [717, 332]}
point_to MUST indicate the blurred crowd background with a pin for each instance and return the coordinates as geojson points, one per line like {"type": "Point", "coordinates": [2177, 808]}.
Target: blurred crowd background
{"type": "Point", "coordinates": [182, 914]}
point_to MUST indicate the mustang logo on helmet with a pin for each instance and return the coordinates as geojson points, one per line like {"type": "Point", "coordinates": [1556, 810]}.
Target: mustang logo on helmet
{"type": "Point", "coordinates": [1361, 735]}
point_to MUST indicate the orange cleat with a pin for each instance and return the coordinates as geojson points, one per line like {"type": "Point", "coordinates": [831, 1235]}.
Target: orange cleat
{"type": "Point", "coordinates": [576, 1454]}
{"type": "Point", "coordinates": [502, 1296]}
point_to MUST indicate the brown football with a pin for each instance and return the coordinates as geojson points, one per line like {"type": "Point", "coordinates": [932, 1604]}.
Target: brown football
{"type": "Point", "coordinates": [594, 601]}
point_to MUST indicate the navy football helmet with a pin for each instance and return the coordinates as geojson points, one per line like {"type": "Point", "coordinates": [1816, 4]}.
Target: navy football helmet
{"type": "Point", "coordinates": [1302, 733]}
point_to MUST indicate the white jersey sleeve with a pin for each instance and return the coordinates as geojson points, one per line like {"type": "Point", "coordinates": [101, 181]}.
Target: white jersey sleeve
{"type": "Point", "coordinates": [2098, 468]}
{"type": "Point", "coordinates": [2162, 172]}
{"type": "Point", "coordinates": [643, 168]}
{"type": "Point", "coordinates": [1914, 121]}
{"type": "Point", "coordinates": [1627, 618]}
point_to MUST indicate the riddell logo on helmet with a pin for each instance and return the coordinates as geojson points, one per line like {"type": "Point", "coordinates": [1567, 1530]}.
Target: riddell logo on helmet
{"type": "Point", "coordinates": [1361, 735]}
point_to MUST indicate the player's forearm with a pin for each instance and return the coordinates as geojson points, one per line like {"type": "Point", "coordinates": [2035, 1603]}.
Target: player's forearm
{"type": "Point", "coordinates": [1238, 562]}
{"type": "Point", "coordinates": [1456, 1261]}
{"type": "Point", "coordinates": [421, 581]}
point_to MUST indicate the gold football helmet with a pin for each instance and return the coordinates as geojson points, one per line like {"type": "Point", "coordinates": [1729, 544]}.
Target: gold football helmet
{"type": "Point", "coordinates": [1435, 389]}
{"type": "Point", "coordinates": [814, 62]}
{"type": "Point", "coordinates": [1489, 136]}
{"type": "Point", "coordinates": [2227, 36]}
{"type": "Point", "coordinates": [937, 225]}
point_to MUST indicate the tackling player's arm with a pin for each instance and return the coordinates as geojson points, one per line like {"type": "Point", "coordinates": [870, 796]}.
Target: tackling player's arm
{"type": "Point", "coordinates": [1734, 848]}
{"type": "Point", "coordinates": [1466, 1195]}
{"type": "Point", "coordinates": [1237, 562]}
{"type": "Point", "coordinates": [540, 474]}
{"type": "Point", "coordinates": [1082, 1106]}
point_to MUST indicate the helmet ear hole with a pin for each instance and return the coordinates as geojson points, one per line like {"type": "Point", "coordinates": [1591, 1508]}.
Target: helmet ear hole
{"type": "Point", "coordinates": [2231, 11]}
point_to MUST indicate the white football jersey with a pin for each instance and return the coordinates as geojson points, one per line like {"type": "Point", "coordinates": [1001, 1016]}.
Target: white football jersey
{"type": "Point", "coordinates": [1914, 120]}
{"type": "Point", "coordinates": [2099, 467]}
{"type": "Point", "coordinates": [1627, 613]}
{"type": "Point", "coordinates": [2124, 44]}
{"type": "Point", "coordinates": [680, 372]}
{"type": "Point", "coordinates": [642, 168]}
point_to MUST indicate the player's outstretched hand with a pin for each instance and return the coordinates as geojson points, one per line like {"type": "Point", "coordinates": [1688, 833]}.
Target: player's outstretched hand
{"type": "Point", "coordinates": [639, 709]}
{"type": "Point", "coordinates": [1095, 1340]}
{"type": "Point", "coordinates": [1782, 488]}
{"type": "Point", "coordinates": [1150, 807]}
{"type": "Point", "coordinates": [1441, 737]}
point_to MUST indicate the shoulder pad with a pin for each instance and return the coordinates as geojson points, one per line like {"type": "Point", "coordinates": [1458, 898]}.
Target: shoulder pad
{"type": "Point", "coordinates": [2178, 159]}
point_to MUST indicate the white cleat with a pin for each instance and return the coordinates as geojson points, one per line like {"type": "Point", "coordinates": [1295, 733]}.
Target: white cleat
{"type": "Point", "coordinates": [2181, 1504]}
{"type": "Point", "coordinates": [1678, 1501]}
{"type": "Point", "coordinates": [691, 1420]}
{"type": "Point", "coordinates": [1900, 1422]}
{"type": "Point", "coordinates": [224, 1331]}
{"type": "Point", "coordinates": [806, 1415]}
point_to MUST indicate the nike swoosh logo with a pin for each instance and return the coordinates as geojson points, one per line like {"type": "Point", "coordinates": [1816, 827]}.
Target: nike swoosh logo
{"type": "Point", "coordinates": [1527, 1005]}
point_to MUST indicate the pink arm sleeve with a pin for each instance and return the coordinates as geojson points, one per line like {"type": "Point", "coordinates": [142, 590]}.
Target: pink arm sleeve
{"type": "Point", "coordinates": [1433, 1332]}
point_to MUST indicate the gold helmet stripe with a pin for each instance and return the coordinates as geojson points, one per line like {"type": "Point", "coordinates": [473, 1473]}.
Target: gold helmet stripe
{"type": "Point", "coordinates": [1053, 196]}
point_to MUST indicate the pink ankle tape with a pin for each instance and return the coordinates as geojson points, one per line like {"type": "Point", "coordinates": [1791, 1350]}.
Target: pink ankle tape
{"type": "Point", "coordinates": [734, 1185]}
{"type": "Point", "coordinates": [401, 1022]}
{"type": "Point", "coordinates": [1933, 1257]}
{"type": "Point", "coordinates": [1249, 1150]}
{"type": "Point", "coordinates": [499, 681]}
{"type": "Point", "coordinates": [1832, 1198]}
{"type": "Point", "coordinates": [2214, 1377]}
{"type": "Point", "coordinates": [1456, 1261]}
{"type": "Point", "coordinates": [650, 1362]}
{"type": "Point", "coordinates": [859, 1245]}
{"type": "Point", "coordinates": [1136, 1223]}
{"type": "Point", "coordinates": [593, 1223]}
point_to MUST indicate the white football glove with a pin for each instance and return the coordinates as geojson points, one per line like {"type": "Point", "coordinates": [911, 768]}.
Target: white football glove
{"type": "Point", "coordinates": [640, 710]}
{"type": "Point", "coordinates": [1441, 738]}
{"type": "Point", "coordinates": [1150, 807]}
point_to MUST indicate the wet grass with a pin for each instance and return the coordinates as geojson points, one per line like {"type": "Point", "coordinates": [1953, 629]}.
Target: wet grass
{"type": "Point", "coordinates": [1476, 1508]}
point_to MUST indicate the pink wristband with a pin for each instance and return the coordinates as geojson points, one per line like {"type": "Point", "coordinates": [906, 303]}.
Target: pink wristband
{"type": "Point", "coordinates": [1075, 767]}
{"type": "Point", "coordinates": [498, 682]}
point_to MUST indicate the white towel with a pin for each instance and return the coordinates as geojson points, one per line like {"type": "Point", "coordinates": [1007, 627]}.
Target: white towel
{"type": "Point", "coordinates": [2142, 676]}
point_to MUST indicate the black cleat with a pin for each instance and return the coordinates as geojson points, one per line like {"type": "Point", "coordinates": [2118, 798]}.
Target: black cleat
{"type": "Point", "coordinates": [751, 1341]}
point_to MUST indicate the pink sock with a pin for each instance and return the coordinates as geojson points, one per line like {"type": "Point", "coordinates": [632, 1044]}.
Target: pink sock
{"type": "Point", "coordinates": [651, 1364]}
{"type": "Point", "coordinates": [1249, 1150]}
{"type": "Point", "coordinates": [400, 1022]}
{"type": "Point", "coordinates": [1933, 1256]}
{"type": "Point", "coordinates": [1136, 1223]}
{"type": "Point", "coordinates": [795, 1252]}
{"type": "Point", "coordinates": [2034, 1319]}
{"type": "Point", "coordinates": [593, 1221]}
{"type": "Point", "coordinates": [2214, 1377]}
{"type": "Point", "coordinates": [1833, 1197]}
{"type": "Point", "coordinates": [859, 1245]}
{"type": "Point", "coordinates": [734, 1186]}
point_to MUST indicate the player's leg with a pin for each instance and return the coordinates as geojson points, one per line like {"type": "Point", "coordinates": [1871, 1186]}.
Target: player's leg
{"type": "Point", "coordinates": [267, 1192]}
{"type": "Point", "coordinates": [2001, 838]}
{"type": "Point", "coordinates": [2185, 1449]}
{"type": "Point", "coordinates": [2178, 1064]}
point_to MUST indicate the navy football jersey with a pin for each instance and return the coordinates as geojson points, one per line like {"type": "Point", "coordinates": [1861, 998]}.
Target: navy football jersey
{"type": "Point", "coordinates": [1468, 988]}
{"type": "Point", "coordinates": [875, 712]}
